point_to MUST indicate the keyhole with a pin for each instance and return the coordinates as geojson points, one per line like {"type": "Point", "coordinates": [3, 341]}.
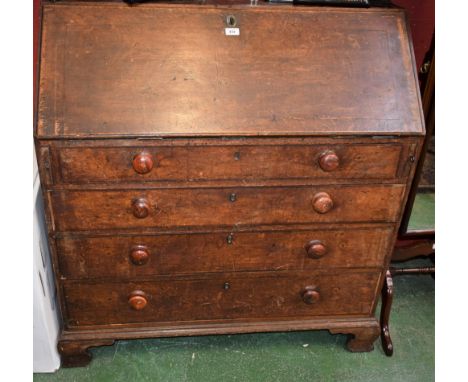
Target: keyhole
{"type": "Point", "coordinates": [231, 21]}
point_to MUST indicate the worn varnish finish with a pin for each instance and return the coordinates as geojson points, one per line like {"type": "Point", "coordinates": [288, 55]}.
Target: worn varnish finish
{"type": "Point", "coordinates": [220, 297]}
{"type": "Point", "coordinates": [88, 210]}
{"type": "Point", "coordinates": [185, 163]}
{"type": "Point", "coordinates": [169, 254]}
{"type": "Point", "coordinates": [111, 163]}
{"type": "Point", "coordinates": [174, 72]}
{"type": "Point", "coordinates": [198, 184]}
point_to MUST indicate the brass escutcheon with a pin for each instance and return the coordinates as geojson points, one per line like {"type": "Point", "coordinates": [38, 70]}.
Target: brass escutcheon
{"type": "Point", "coordinates": [231, 21]}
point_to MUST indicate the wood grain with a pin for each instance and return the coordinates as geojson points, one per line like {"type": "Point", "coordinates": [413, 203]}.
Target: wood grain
{"type": "Point", "coordinates": [85, 210]}
{"type": "Point", "coordinates": [255, 296]}
{"type": "Point", "coordinates": [180, 166]}
{"type": "Point", "coordinates": [327, 71]}
{"type": "Point", "coordinates": [98, 257]}
{"type": "Point", "coordinates": [90, 164]}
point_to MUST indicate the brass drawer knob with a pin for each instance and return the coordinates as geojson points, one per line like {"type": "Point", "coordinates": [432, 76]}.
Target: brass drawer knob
{"type": "Point", "coordinates": [310, 295]}
{"type": "Point", "coordinates": [143, 163]}
{"type": "Point", "coordinates": [316, 249]}
{"type": "Point", "coordinates": [137, 300]}
{"type": "Point", "coordinates": [139, 255]}
{"type": "Point", "coordinates": [322, 202]}
{"type": "Point", "coordinates": [140, 208]}
{"type": "Point", "coordinates": [329, 161]}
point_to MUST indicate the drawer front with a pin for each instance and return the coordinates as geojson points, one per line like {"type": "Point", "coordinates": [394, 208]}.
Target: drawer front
{"type": "Point", "coordinates": [89, 210]}
{"type": "Point", "coordinates": [224, 297]}
{"type": "Point", "coordinates": [198, 163]}
{"type": "Point", "coordinates": [134, 256]}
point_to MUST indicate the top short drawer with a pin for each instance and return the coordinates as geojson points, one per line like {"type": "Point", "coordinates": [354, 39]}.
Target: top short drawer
{"type": "Point", "coordinates": [196, 161]}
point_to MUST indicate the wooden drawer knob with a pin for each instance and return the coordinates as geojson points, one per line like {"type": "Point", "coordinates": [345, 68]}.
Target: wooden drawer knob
{"type": "Point", "coordinates": [310, 295]}
{"type": "Point", "coordinates": [140, 208]}
{"type": "Point", "coordinates": [137, 300]}
{"type": "Point", "coordinates": [315, 249]}
{"type": "Point", "coordinates": [139, 255]}
{"type": "Point", "coordinates": [329, 161]}
{"type": "Point", "coordinates": [322, 202]}
{"type": "Point", "coordinates": [143, 163]}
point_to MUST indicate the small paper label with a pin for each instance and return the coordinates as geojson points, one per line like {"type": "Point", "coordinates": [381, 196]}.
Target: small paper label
{"type": "Point", "coordinates": [231, 31]}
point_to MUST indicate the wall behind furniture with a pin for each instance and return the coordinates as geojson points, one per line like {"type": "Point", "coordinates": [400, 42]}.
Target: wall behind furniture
{"type": "Point", "coordinates": [45, 323]}
{"type": "Point", "coordinates": [421, 15]}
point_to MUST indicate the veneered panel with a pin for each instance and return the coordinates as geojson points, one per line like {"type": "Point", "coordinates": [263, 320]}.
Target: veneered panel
{"type": "Point", "coordinates": [159, 70]}
{"type": "Point", "coordinates": [94, 210]}
{"type": "Point", "coordinates": [222, 297]}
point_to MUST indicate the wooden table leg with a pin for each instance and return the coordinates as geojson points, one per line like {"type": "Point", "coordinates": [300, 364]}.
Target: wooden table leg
{"type": "Point", "coordinates": [387, 298]}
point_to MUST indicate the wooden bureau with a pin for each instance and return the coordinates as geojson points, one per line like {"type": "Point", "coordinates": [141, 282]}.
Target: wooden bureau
{"type": "Point", "coordinates": [204, 181]}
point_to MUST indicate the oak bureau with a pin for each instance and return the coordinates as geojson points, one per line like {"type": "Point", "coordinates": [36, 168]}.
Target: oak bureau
{"type": "Point", "coordinates": [222, 168]}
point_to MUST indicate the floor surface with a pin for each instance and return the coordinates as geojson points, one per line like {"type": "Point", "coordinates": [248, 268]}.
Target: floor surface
{"type": "Point", "coordinates": [422, 216]}
{"type": "Point", "coordinates": [298, 356]}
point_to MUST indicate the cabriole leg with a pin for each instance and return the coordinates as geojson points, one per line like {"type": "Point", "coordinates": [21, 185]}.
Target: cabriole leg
{"type": "Point", "coordinates": [387, 298]}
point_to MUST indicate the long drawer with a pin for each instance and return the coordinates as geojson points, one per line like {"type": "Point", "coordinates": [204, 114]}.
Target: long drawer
{"type": "Point", "coordinates": [182, 207]}
{"type": "Point", "coordinates": [84, 164]}
{"type": "Point", "coordinates": [169, 254]}
{"type": "Point", "coordinates": [226, 296]}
